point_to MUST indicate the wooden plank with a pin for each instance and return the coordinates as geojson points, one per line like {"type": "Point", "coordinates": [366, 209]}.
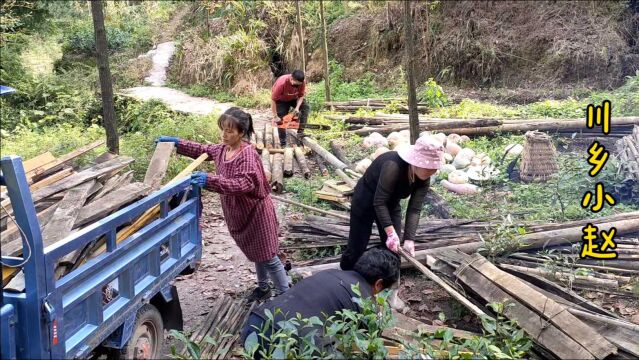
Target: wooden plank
{"type": "Point", "coordinates": [33, 163]}
{"type": "Point", "coordinates": [51, 179]}
{"type": "Point", "coordinates": [11, 239]}
{"type": "Point", "coordinates": [111, 202]}
{"type": "Point", "coordinates": [66, 213]}
{"type": "Point", "coordinates": [159, 164]}
{"type": "Point", "coordinates": [109, 185]}
{"type": "Point", "coordinates": [553, 312]}
{"type": "Point", "coordinates": [540, 330]}
{"type": "Point", "coordinates": [51, 166]}
{"type": "Point", "coordinates": [81, 177]}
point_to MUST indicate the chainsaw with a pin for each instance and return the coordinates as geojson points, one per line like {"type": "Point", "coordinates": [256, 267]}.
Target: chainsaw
{"type": "Point", "coordinates": [291, 121]}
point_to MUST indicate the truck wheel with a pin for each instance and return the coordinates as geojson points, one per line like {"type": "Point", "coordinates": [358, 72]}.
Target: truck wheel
{"type": "Point", "coordinates": [148, 335]}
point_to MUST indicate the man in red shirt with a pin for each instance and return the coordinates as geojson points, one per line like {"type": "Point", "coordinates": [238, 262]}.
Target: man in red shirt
{"type": "Point", "coordinates": [288, 92]}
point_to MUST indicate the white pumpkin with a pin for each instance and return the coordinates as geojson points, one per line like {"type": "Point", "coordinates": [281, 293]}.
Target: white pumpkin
{"type": "Point", "coordinates": [393, 144]}
{"type": "Point", "coordinates": [454, 138]}
{"type": "Point", "coordinates": [463, 139]}
{"type": "Point", "coordinates": [447, 169]}
{"type": "Point", "coordinates": [514, 149]}
{"type": "Point", "coordinates": [441, 137]}
{"type": "Point", "coordinates": [452, 148]}
{"type": "Point", "coordinates": [458, 177]}
{"type": "Point", "coordinates": [405, 134]}
{"type": "Point", "coordinates": [362, 165]}
{"type": "Point", "coordinates": [425, 133]}
{"type": "Point", "coordinates": [448, 157]}
{"type": "Point", "coordinates": [375, 139]}
{"type": "Point", "coordinates": [467, 153]}
{"type": "Point", "coordinates": [379, 152]}
{"type": "Point", "coordinates": [461, 162]}
{"type": "Point", "coordinates": [393, 136]}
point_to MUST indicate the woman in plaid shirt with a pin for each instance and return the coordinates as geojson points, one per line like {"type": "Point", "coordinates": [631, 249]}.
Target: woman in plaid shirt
{"type": "Point", "coordinates": [244, 195]}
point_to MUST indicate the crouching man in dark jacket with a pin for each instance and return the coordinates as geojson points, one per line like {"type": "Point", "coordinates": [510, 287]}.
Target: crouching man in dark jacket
{"type": "Point", "coordinates": [327, 292]}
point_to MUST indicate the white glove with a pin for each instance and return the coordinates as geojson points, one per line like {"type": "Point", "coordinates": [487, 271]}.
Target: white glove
{"type": "Point", "coordinates": [409, 247]}
{"type": "Point", "coordinates": [392, 242]}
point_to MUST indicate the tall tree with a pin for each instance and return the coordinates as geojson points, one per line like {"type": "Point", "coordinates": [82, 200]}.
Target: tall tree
{"type": "Point", "coordinates": [409, 47]}
{"type": "Point", "coordinates": [300, 34]}
{"type": "Point", "coordinates": [327, 82]}
{"type": "Point", "coordinates": [106, 86]}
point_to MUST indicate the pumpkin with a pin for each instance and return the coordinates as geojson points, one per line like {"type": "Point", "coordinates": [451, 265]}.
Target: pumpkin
{"type": "Point", "coordinates": [452, 148]}
{"type": "Point", "coordinates": [454, 138]}
{"type": "Point", "coordinates": [379, 152]}
{"type": "Point", "coordinates": [447, 169]}
{"type": "Point", "coordinates": [458, 177]}
{"type": "Point", "coordinates": [441, 137]}
{"type": "Point", "coordinates": [514, 149]}
{"type": "Point", "coordinates": [448, 157]}
{"type": "Point", "coordinates": [362, 165]}
{"type": "Point", "coordinates": [463, 139]}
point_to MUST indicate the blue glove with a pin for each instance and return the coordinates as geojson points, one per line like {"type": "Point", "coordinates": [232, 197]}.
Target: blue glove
{"type": "Point", "coordinates": [199, 178]}
{"type": "Point", "coordinates": [167, 139]}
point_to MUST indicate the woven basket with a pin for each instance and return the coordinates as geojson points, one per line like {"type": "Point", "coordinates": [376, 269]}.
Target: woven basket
{"type": "Point", "coordinates": [539, 161]}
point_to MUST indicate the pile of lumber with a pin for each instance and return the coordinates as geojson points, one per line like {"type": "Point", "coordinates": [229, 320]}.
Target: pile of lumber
{"type": "Point", "coordinates": [373, 104]}
{"type": "Point", "coordinates": [385, 124]}
{"type": "Point", "coordinates": [538, 295]}
{"type": "Point", "coordinates": [68, 199]}
{"type": "Point", "coordinates": [628, 150]}
{"type": "Point", "coordinates": [222, 327]}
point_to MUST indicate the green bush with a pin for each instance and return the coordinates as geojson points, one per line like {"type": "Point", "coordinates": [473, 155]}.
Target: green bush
{"type": "Point", "coordinates": [81, 40]}
{"type": "Point", "coordinates": [433, 95]}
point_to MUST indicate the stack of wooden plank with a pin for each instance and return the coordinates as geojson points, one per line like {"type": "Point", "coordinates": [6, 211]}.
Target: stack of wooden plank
{"type": "Point", "coordinates": [222, 325]}
{"type": "Point", "coordinates": [628, 150]}
{"type": "Point", "coordinates": [374, 104]}
{"type": "Point", "coordinates": [68, 199]}
{"type": "Point", "coordinates": [385, 124]}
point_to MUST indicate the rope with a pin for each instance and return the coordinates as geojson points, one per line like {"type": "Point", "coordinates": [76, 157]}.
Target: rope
{"type": "Point", "coordinates": [24, 238]}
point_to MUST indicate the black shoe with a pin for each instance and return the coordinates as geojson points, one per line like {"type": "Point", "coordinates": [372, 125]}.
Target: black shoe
{"type": "Point", "coordinates": [259, 294]}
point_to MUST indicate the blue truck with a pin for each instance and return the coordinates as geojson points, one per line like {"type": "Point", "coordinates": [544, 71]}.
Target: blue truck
{"type": "Point", "coordinates": [73, 316]}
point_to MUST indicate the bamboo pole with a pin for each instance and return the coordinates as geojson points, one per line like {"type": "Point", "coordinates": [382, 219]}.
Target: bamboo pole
{"type": "Point", "coordinates": [300, 34]}
{"type": "Point", "coordinates": [431, 275]}
{"type": "Point", "coordinates": [311, 208]}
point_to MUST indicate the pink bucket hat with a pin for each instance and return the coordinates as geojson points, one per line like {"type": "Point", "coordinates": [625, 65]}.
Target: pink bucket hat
{"type": "Point", "coordinates": [427, 153]}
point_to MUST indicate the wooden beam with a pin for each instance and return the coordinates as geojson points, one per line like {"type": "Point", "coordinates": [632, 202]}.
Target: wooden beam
{"type": "Point", "coordinates": [52, 166]}
{"type": "Point", "coordinates": [159, 164]}
{"type": "Point", "coordinates": [12, 241]}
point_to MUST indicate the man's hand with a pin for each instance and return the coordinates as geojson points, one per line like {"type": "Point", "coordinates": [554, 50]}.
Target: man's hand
{"type": "Point", "coordinates": [277, 120]}
{"type": "Point", "coordinates": [409, 247]}
{"type": "Point", "coordinates": [167, 139]}
{"type": "Point", "coordinates": [296, 112]}
{"type": "Point", "coordinates": [392, 242]}
{"type": "Point", "coordinates": [199, 178]}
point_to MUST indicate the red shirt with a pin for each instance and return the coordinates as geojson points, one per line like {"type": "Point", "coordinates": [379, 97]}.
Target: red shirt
{"type": "Point", "coordinates": [284, 91]}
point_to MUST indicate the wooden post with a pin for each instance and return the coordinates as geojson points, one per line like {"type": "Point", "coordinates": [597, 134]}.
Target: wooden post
{"type": "Point", "coordinates": [276, 138]}
{"type": "Point", "coordinates": [106, 86]}
{"type": "Point", "coordinates": [307, 207]}
{"type": "Point", "coordinates": [277, 183]}
{"type": "Point", "coordinates": [327, 81]}
{"type": "Point", "coordinates": [266, 163]}
{"type": "Point", "coordinates": [301, 159]}
{"type": "Point", "coordinates": [288, 162]}
{"type": "Point", "coordinates": [259, 140]}
{"type": "Point", "coordinates": [300, 34]}
{"type": "Point", "coordinates": [268, 136]}
{"type": "Point", "coordinates": [409, 47]}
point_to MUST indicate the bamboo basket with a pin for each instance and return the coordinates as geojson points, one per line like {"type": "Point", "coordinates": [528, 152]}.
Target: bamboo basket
{"type": "Point", "coordinates": [539, 160]}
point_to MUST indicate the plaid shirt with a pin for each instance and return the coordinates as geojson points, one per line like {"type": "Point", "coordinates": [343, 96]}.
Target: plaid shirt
{"type": "Point", "coordinates": [244, 193]}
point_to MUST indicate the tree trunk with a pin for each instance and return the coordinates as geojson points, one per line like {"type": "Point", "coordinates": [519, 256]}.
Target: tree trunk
{"type": "Point", "coordinates": [300, 34]}
{"type": "Point", "coordinates": [268, 136]}
{"type": "Point", "coordinates": [277, 183]}
{"type": "Point", "coordinates": [337, 149]}
{"type": "Point", "coordinates": [327, 82]}
{"type": "Point", "coordinates": [321, 164]}
{"type": "Point", "coordinates": [413, 116]}
{"type": "Point", "coordinates": [266, 163]}
{"type": "Point", "coordinates": [288, 162]}
{"type": "Point", "coordinates": [301, 159]}
{"type": "Point", "coordinates": [259, 140]}
{"type": "Point", "coordinates": [106, 86]}
{"type": "Point", "coordinates": [276, 138]}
